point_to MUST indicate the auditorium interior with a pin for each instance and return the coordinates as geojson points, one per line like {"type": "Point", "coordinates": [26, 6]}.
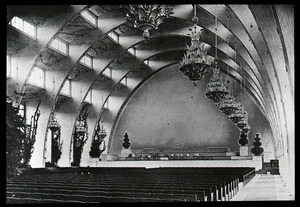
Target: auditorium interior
{"type": "Point", "coordinates": [150, 103]}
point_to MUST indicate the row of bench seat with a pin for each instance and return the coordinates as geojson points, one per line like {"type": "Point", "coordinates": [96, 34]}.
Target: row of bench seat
{"type": "Point", "coordinates": [111, 185]}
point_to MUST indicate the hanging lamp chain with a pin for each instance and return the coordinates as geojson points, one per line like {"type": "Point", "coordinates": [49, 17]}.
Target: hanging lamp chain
{"type": "Point", "coordinates": [195, 18]}
{"type": "Point", "coordinates": [216, 40]}
{"type": "Point", "coordinates": [235, 86]}
{"type": "Point", "coordinates": [227, 68]}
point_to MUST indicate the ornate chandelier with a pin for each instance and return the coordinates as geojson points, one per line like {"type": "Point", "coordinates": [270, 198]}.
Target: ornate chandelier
{"type": "Point", "coordinates": [195, 62]}
{"type": "Point", "coordinates": [228, 105]}
{"type": "Point", "coordinates": [215, 89]}
{"type": "Point", "coordinates": [241, 124]}
{"type": "Point", "coordinates": [53, 123]}
{"type": "Point", "coordinates": [238, 115]}
{"type": "Point", "coordinates": [246, 129]}
{"type": "Point", "coordinates": [148, 16]}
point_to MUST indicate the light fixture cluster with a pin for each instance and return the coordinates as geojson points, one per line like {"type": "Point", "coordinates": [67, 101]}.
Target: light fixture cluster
{"type": "Point", "coordinates": [237, 115]}
{"type": "Point", "coordinates": [235, 112]}
{"type": "Point", "coordinates": [215, 89]}
{"type": "Point", "coordinates": [147, 16]}
{"type": "Point", "coordinates": [228, 106]}
{"type": "Point", "coordinates": [195, 62]}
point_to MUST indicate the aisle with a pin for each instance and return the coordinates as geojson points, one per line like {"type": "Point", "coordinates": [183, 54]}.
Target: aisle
{"type": "Point", "coordinates": [264, 187]}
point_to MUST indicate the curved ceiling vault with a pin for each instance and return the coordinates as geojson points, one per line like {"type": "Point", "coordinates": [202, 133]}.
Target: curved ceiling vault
{"type": "Point", "coordinates": [253, 46]}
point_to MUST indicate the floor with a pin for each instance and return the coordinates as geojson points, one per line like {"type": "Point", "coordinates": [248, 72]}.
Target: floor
{"type": "Point", "coordinates": [264, 187]}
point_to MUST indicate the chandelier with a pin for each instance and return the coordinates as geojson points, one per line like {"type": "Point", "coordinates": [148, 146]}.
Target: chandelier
{"type": "Point", "coordinates": [195, 62]}
{"type": "Point", "coordinates": [228, 105]}
{"type": "Point", "coordinates": [238, 115]}
{"type": "Point", "coordinates": [147, 16]}
{"type": "Point", "coordinates": [241, 124]}
{"type": "Point", "coordinates": [53, 123]}
{"type": "Point", "coordinates": [216, 90]}
{"type": "Point", "coordinates": [246, 129]}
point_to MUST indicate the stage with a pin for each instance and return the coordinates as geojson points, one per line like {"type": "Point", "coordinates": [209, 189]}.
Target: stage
{"type": "Point", "coordinates": [235, 161]}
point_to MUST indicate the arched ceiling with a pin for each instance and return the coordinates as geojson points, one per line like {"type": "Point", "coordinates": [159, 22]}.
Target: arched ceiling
{"type": "Point", "coordinates": [255, 45]}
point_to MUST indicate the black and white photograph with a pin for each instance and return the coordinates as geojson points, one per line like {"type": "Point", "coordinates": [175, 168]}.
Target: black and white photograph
{"type": "Point", "coordinates": [150, 103]}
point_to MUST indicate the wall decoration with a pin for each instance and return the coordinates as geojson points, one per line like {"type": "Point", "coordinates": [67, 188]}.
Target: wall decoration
{"type": "Point", "coordinates": [98, 143]}
{"type": "Point", "coordinates": [55, 139]}
{"type": "Point", "coordinates": [28, 142]}
{"type": "Point", "coordinates": [80, 136]}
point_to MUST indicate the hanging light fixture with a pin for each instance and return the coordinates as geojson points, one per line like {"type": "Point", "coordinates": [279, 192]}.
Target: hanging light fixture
{"type": "Point", "coordinates": [241, 124]}
{"type": "Point", "coordinates": [244, 122]}
{"type": "Point", "coordinates": [215, 89]}
{"type": "Point", "coordinates": [228, 105]}
{"type": "Point", "coordinates": [195, 62]}
{"type": "Point", "coordinates": [53, 123]}
{"type": "Point", "coordinates": [238, 115]}
{"type": "Point", "coordinates": [246, 129]}
{"type": "Point", "coordinates": [147, 16]}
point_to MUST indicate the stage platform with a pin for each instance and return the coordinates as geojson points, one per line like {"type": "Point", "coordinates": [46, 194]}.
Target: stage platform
{"type": "Point", "coordinates": [255, 162]}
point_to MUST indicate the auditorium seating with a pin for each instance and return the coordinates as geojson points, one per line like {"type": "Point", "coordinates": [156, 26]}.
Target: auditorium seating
{"type": "Point", "coordinates": [96, 185]}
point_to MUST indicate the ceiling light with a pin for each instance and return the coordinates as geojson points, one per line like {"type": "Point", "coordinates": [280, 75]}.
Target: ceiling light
{"type": "Point", "coordinates": [216, 90]}
{"type": "Point", "coordinates": [195, 62]}
{"type": "Point", "coordinates": [147, 16]}
{"type": "Point", "coordinates": [228, 105]}
{"type": "Point", "coordinates": [238, 115]}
